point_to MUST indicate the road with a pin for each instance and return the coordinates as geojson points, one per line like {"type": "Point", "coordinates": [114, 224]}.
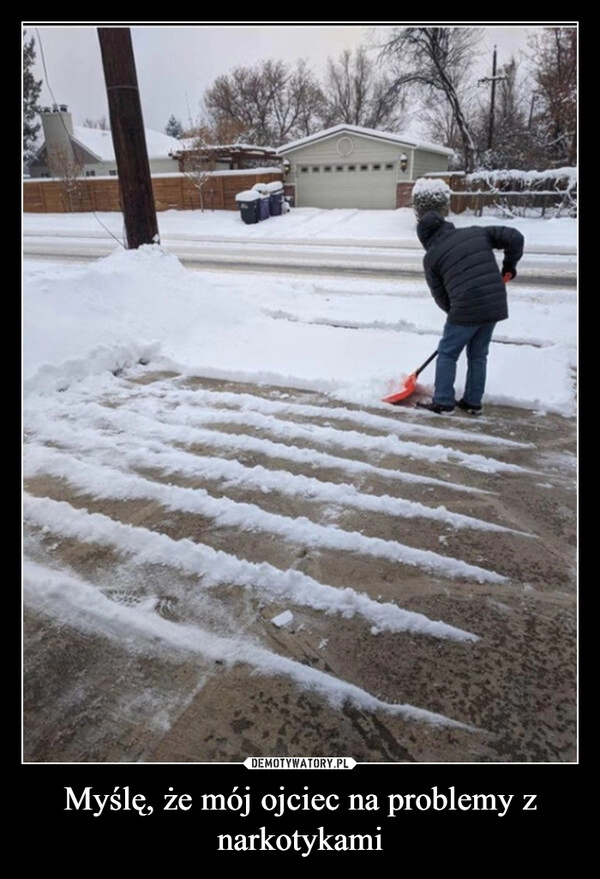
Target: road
{"type": "Point", "coordinates": [557, 268]}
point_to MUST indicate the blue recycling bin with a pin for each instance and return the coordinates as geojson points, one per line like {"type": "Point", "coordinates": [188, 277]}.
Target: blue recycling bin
{"type": "Point", "coordinates": [263, 207]}
{"type": "Point", "coordinates": [263, 204]}
{"type": "Point", "coordinates": [248, 202]}
{"type": "Point", "coordinates": [275, 190]}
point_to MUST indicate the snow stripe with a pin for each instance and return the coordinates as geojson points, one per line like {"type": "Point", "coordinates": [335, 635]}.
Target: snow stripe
{"type": "Point", "coordinates": [257, 403]}
{"type": "Point", "coordinates": [118, 621]}
{"type": "Point", "coordinates": [215, 567]}
{"type": "Point", "coordinates": [124, 427]}
{"type": "Point", "coordinates": [232, 473]}
{"type": "Point", "coordinates": [103, 482]}
{"type": "Point", "coordinates": [327, 436]}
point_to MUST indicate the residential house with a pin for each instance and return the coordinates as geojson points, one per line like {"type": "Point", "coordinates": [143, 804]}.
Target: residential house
{"type": "Point", "coordinates": [71, 150]}
{"type": "Point", "coordinates": [352, 167]}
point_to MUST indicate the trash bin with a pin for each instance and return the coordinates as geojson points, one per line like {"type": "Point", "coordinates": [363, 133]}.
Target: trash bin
{"type": "Point", "coordinates": [249, 201]}
{"type": "Point", "coordinates": [289, 200]}
{"type": "Point", "coordinates": [263, 204]}
{"type": "Point", "coordinates": [275, 189]}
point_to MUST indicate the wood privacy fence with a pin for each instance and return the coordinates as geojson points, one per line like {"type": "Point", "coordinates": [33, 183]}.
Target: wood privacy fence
{"type": "Point", "coordinates": [171, 192]}
{"type": "Point", "coordinates": [542, 202]}
{"type": "Point", "coordinates": [178, 192]}
{"type": "Point", "coordinates": [544, 194]}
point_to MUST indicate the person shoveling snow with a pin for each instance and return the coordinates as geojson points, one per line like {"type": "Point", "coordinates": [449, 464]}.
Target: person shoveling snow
{"type": "Point", "coordinates": [465, 281]}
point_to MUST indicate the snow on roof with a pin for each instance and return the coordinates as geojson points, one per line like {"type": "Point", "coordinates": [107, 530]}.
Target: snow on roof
{"type": "Point", "coordinates": [100, 142]}
{"type": "Point", "coordinates": [405, 139]}
{"type": "Point", "coordinates": [190, 143]}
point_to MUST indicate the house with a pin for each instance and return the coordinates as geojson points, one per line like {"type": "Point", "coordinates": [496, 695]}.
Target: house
{"type": "Point", "coordinates": [69, 150]}
{"type": "Point", "coordinates": [352, 167]}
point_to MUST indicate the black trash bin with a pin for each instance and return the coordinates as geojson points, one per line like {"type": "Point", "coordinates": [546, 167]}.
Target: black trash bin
{"type": "Point", "coordinates": [275, 189]}
{"type": "Point", "coordinates": [249, 201]}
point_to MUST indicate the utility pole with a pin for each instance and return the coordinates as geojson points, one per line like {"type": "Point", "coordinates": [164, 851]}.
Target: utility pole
{"type": "Point", "coordinates": [493, 79]}
{"type": "Point", "coordinates": [129, 140]}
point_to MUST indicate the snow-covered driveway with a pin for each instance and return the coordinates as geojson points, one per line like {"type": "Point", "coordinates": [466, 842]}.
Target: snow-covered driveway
{"type": "Point", "coordinates": [244, 556]}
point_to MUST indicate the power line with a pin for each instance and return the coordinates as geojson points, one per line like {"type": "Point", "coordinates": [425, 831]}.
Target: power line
{"type": "Point", "coordinates": [78, 164]}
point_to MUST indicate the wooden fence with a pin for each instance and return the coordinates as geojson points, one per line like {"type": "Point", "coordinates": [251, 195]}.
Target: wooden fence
{"type": "Point", "coordinates": [177, 192]}
{"type": "Point", "coordinates": [172, 192]}
{"type": "Point", "coordinates": [544, 201]}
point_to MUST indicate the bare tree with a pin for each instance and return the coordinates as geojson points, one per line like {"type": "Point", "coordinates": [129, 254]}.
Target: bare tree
{"type": "Point", "coordinates": [63, 165]}
{"type": "Point", "coordinates": [437, 117]}
{"type": "Point", "coordinates": [554, 104]}
{"type": "Point", "coordinates": [305, 100]}
{"type": "Point", "coordinates": [200, 162]}
{"type": "Point", "coordinates": [438, 60]}
{"type": "Point", "coordinates": [224, 131]}
{"type": "Point", "coordinates": [267, 104]}
{"type": "Point", "coordinates": [356, 94]}
{"type": "Point", "coordinates": [512, 143]}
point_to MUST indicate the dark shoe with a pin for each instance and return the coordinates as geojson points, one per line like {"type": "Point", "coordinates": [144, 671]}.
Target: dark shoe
{"type": "Point", "coordinates": [466, 407]}
{"type": "Point", "coordinates": [437, 408]}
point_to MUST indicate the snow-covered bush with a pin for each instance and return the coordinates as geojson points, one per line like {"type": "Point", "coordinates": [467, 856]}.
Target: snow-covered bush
{"type": "Point", "coordinates": [431, 194]}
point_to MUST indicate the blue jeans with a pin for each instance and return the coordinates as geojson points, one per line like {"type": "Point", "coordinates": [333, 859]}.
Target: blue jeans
{"type": "Point", "coordinates": [455, 338]}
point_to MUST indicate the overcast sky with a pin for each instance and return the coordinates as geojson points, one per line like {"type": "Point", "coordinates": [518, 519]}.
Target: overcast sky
{"type": "Point", "coordinates": [177, 62]}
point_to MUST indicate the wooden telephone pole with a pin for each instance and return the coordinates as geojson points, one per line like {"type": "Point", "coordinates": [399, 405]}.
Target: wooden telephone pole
{"type": "Point", "coordinates": [129, 140]}
{"type": "Point", "coordinates": [493, 79]}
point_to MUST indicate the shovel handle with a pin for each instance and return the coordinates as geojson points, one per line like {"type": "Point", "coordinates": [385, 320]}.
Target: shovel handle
{"type": "Point", "coordinates": [423, 365]}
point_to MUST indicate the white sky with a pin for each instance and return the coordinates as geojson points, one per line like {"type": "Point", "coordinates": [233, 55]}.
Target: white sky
{"type": "Point", "coordinates": [87, 327]}
{"type": "Point", "coordinates": [177, 62]}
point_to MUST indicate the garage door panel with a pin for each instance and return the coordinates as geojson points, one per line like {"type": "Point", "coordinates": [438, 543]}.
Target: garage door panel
{"type": "Point", "coordinates": [344, 187]}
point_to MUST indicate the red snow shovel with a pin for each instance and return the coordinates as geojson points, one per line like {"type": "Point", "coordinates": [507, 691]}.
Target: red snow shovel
{"type": "Point", "coordinates": [409, 384]}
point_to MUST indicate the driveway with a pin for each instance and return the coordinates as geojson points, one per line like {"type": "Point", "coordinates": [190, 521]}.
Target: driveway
{"type": "Point", "coordinates": [463, 530]}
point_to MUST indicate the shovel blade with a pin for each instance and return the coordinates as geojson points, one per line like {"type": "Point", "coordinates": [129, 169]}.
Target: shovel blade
{"type": "Point", "coordinates": [409, 384]}
{"type": "Point", "coordinates": [405, 390]}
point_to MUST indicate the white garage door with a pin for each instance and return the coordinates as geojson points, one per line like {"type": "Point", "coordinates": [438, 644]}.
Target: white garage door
{"type": "Point", "coordinates": [347, 185]}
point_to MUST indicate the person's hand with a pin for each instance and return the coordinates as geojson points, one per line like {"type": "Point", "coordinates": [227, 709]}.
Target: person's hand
{"type": "Point", "coordinates": [507, 276]}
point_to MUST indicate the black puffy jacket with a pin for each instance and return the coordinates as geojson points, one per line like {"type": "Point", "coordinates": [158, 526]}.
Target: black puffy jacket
{"type": "Point", "coordinates": [461, 269]}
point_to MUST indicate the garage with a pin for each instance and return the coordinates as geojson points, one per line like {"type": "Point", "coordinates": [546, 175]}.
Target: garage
{"type": "Point", "coordinates": [352, 167]}
{"type": "Point", "coordinates": [347, 185]}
